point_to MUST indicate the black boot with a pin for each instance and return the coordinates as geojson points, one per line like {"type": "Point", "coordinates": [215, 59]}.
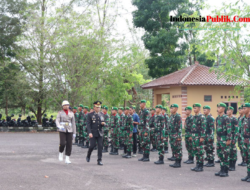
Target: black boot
{"type": "Point", "coordinates": [141, 159]}
{"type": "Point", "coordinates": [112, 149]}
{"type": "Point", "coordinates": [121, 146]}
{"type": "Point", "coordinates": [128, 155]}
{"type": "Point", "coordinates": [218, 173]}
{"type": "Point", "coordinates": [172, 158]}
{"type": "Point", "coordinates": [166, 149]}
{"type": "Point", "coordinates": [195, 168]}
{"type": "Point", "coordinates": [82, 144]}
{"type": "Point", "coordinates": [190, 160]}
{"type": "Point", "coordinates": [87, 145]}
{"type": "Point", "coordinates": [115, 152]}
{"type": "Point", "coordinates": [243, 163]}
{"type": "Point", "coordinates": [154, 149]}
{"type": "Point", "coordinates": [105, 149]}
{"type": "Point", "coordinates": [232, 165]}
{"type": "Point", "coordinates": [146, 158]}
{"type": "Point", "coordinates": [199, 168]}
{"type": "Point", "coordinates": [160, 161]}
{"type": "Point", "coordinates": [140, 151]}
{"type": "Point", "coordinates": [224, 172]}
{"type": "Point", "coordinates": [210, 163]}
{"type": "Point", "coordinates": [99, 163]}
{"type": "Point", "coordinates": [246, 178]}
{"type": "Point", "coordinates": [177, 164]}
{"type": "Point", "coordinates": [125, 151]}
{"type": "Point", "coordinates": [76, 141]}
{"type": "Point", "coordinates": [206, 159]}
{"type": "Point", "coordinates": [217, 161]}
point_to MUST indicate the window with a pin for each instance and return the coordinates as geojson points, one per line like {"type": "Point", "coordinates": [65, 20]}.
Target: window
{"type": "Point", "coordinates": [227, 106]}
{"type": "Point", "coordinates": [207, 98]}
{"type": "Point", "coordinates": [225, 97]}
{"type": "Point", "coordinates": [221, 97]}
{"type": "Point", "coordinates": [234, 105]}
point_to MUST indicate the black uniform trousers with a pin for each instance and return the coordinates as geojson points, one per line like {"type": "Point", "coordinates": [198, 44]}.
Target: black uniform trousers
{"type": "Point", "coordinates": [66, 139]}
{"type": "Point", "coordinates": [93, 140]}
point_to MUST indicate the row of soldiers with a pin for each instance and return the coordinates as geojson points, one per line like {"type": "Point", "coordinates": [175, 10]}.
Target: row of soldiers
{"type": "Point", "coordinates": [158, 128]}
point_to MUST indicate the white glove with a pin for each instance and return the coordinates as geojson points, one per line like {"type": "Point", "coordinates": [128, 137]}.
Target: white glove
{"type": "Point", "coordinates": [74, 135]}
{"type": "Point", "coordinates": [60, 127]}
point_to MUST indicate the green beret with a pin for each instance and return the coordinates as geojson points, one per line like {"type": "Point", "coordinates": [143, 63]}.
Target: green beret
{"type": "Point", "coordinates": [133, 107]}
{"type": "Point", "coordinates": [164, 108]}
{"type": "Point", "coordinates": [143, 101]}
{"type": "Point", "coordinates": [80, 105]}
{"type": "Point", "coordinates": [230, 108]}
{"type": "Point", "coordinates": [121, 108]}
{"type": "Point", "coordinates": [188, 108]}
{"type": "Point", "coordinates": [105, 107]}
{"type": "Point", "coordinates": [158, 106]}
{"type": "Point", "coordinates": [221, 105]}
{"type": "Point", "coordinates": [174, 106]}
{"type": "Point", "coordinates": [86, 107]}
{"type": "Point", "coordinates": [115, 108]}
{"type": "Point", "coordinates": [240, 107]}
{"type": "Point", "coordinates": [126, 108]}
{"type": "Point", "coordinates": [207, 107]}
{"type": "Point", "coordinates": [197, 105]}
{"type": "Point", "coordinates": [152, 109]}
{"type": "Point", "coordinates": [247, 105]}
{"type": "Point", "coordinates": [75, 108]}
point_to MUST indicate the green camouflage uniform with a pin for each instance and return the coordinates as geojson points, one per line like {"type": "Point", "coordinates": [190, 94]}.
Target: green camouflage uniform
{"type": "Point", "coordinates": [166, 130]}
{"type": "Point", "coordinates": [246, 139]}
{"type": "Point", "coordinates": [127, 130]}
{"type": "Point", "coordinates": [209, 145]}
{"type": "Point", "coordinates": [188, 125]}
{"type": "Point", "coordinates": [175, 128]}
{"type": "Point", "coordinates": [121, 132]}
{"type": "Point", "coordinates": [77, 126]}
{"type": "Point", "coordinates": [144, 136]}
{"type": "Point", "coordinates": [240, 138]}
{"type": "Point", "coordinates": [235, 135]}
{"type": "Point", "coordinates": [106, 130]}
{"type": "Point", "coordinates": [223, 130]}
{"type": "Point", "coordinates": [115, 130]}
{"type": "Point", "coordinates": [85, 130]}
{"type": "Point", "coordinates": [152, 131]}
{"type": "Point", "coordinates": [159, 129]}
{"type": "Point", "coordinates": [80, 125]}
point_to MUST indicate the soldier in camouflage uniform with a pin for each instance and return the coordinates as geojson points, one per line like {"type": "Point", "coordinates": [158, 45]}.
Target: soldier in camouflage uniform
{"type": "Point", "coordinates": [235, 135]}
{"type": "Point", "coordinates": [224, 137]}
{"type": "Point", "coordinates": [187, 126]}
{"type": "Point", "coordinates": [76, 119]}
{"type": "Point", "coordinates": [198, 131]}
{"type": "Point", "coordinates": [175, 128]}
{"type": "Point", "coordinates": [246, 138]}
{"type": "Point", "coordinates": [152, 133]}
{"type": "Point", "coordinates": [209, 139]}
{"type": "Point", "coordinates": [115, 130]}
{"type": "Point", "coordinates": [122, 133]}
{"type": "Point", "coordinates": [159, 130]}
{"type": "Point", "coordinates": [85, 130]}
{"type": "Point", "coordinates": [166, 130]}
{"type": "Point", "coordinates": [80, 125]}
{"type": "Point", "coordinates": [240, 139]}
{"type": "Point", "coordinates": [145, 131]}
{"type": "Point", "coordinates": [128, 133]}
{"type": "Point", "coordinates": [105, 129]}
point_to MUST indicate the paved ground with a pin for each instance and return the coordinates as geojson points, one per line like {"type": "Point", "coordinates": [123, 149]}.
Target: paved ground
{"type": "Point", "coordinates": [26, 158]}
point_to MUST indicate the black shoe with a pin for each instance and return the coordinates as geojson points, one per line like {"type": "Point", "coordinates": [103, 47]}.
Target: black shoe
{"type": "Point", "coordinates": [172, 158]}
{"type": "Point", "coordinates": [146, 158]}
{"type": "Point", "coordinates": [246, 178]}
{"type": "Point", "coordinates": [195, 168]}
{"type": "Point", "coordinates": [232, 165]}
{"type": "Point", "coordinates": [160, 161]}
{"type": "Point", "coordinates": [141, 159]}
{"type": "Point", "coordinates": [87, 145]}
{"type": "Point", "coordinates": [82, 146]}
{"type": "Point", "coordinates": [128, 155]}
{"type": "Point", "coordinates": [115, 152]}
{"type": "Point", "coordinates": [190, 160]}
{"type": "Point", "coordinates": [99, 163]}
{"type": "Point", "coordinates": [206, 159]}
{"type": "Point", "coordinates": [224, 172]}
{"type": "Point", "coordinates": [87, 159]}
{"type": "Point", "coordinates": [166, 150]}
{"type": "Point", "coordinates": [210, 163]}
{"type": "Point", "coordinates": [218, 173]}
{"type": "Point", "coordinates": [217, 161]}
{"type": "Point", "coordinates": [105, 149]}
{"type": "Point", "coordinates": [199, 168]}
{"type": "Point", "coordinates": [177, 164]}
{"type": "Point", "coordinates": [243, 163]}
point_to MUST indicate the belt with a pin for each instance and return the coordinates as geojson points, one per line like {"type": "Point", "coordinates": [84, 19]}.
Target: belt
{"type": "Point", "coordinates": [66, 124]}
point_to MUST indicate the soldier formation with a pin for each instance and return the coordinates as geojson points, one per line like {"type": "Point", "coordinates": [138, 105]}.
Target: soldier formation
{"type": "Point", "coordinates": [157, 129]}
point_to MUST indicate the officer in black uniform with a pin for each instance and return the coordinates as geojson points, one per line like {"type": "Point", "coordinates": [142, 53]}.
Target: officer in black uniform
{"type": "Point", "coordinates": [95, 122]}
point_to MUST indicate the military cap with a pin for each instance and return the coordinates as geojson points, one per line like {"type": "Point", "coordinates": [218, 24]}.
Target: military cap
{"type": "Point", "coordinates": [240, 107]}
{"type": "Point", "coordinates": [115, 108]}
{"type": "Point", "coordinates": [231, 108]}
{"type": "Point", "coordinates": [188, 108]}
{"type": "Point", "coordinates": [133, 107]}
{"type": "Point", "coordinates": [80, 105]}
{"type": "Point", "coordinates": [86, 107]}
{"type": "Point", "coordinates": [152, 109]}
{"type": "Point", "coordinates": [207, 107]}
{"type": "Point", "coordinates": [75, 108]}
{"type": "Point", "coordinates": [105, 107]}
{"type": "Point", "coordinates": [158, 106]}
{"type": "Point", "coordinates": [121, 108]}
{"type": "Point", "coordinates": [126, 108]}
{"type": "Point", "coordinates": [221, 105]}
{"type": "Point", "coordinates": [143, 101]}
{"type": "Point", "coordinates": [197, 105]}
{"type": "Point", "coordinates": [247, 105]}
{"type": "Point", "coordinates": [97, 104]}
{"type": "Point", "coordinates": [164, 108]}
{"type": "Point", "coordinates": [174, 106]}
